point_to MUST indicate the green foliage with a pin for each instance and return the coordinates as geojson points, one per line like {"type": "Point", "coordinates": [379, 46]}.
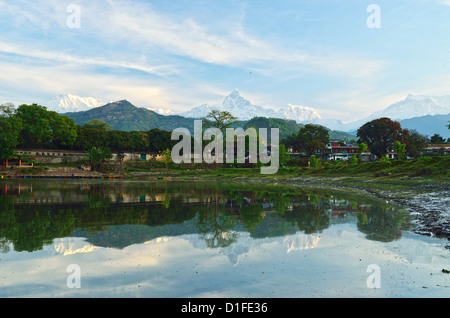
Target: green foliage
{"type": "Point", "coordinates": [43, 128]}
{"type": "Point", "coordinates": [380, 134]}
{"type": "Point", "coordinates": [219, 119]}
{"type": "Point", "coordinates": [384, 158]}
{"type": "Point", "coordinates": [314, 161]}
{"type": "Point", "coordinates": [9, 133]}
{"type": "Point", "coordinates": [416, 143]}
{"type": "Point", "coordinates": [362, 147]}
{"type": "Point", "coordinates": [437, 139]}
{"type": "Point", "coordinates": [426, 159]}
{"type": "Point", "coordinates": [167, 156]}
{"type": "Point", "coordinates": [283, 156]}
{"type": "Point", "coordinates": [159, 140]}
{"type": "Point", "coordinates": [400, 149]}
{"type": "Point", "coordinates": [97, 124]}
{"type": "Point", "coordinates": [353, 160]}
{"type": "Point", "coordinates": [97, 156]}
{"type": "Point", "coordinates": [286, 127]}
{"type": "Point", "coordinates": [310, 139]}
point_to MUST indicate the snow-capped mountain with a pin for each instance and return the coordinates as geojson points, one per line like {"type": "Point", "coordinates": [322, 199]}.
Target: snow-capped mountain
{"type": "Point", "coordinates": [415, 106]}
{"type": "Point", "coordinates": [64, 103]}
{"type": "Point", "coordinates": [299, 113]}
{"type": "Point", "coordinates": [243, 109]}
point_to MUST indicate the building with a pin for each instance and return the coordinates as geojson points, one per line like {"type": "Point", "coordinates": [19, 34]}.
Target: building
{"type": "Point", "coordinates": [437, 149]}
{"type": "Point", "coordinates": [65, 156]}
{"type": "Point", "coordinates": [335, 150]}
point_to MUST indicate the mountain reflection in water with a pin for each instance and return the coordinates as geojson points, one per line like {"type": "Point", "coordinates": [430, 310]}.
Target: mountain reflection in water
{"type": "Point", "coordinates": [117, 214]}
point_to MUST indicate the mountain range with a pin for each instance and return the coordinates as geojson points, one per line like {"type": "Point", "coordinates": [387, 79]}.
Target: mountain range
{"type": "Point", "coordinates": [426, 114]}
{"type": "Point", "coordinates": [122, 115]}
{"type": "Point", "coordinates": [243, 109]}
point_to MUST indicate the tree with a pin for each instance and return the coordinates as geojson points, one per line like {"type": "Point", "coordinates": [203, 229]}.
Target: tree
{"type": "Point", "coordinates": [43, 128]}
{"type": "Point", "coordinates": [97, 124]}
{"type": "Point", "coordinates": [7, 110]}
{"type": "Point", "coordinates": [219, 119]}
{"type": "Point", "coordinates": [362, 147]}
{"type": "Point", "coordinates": [437, 139]}
{"type": "Point", "coordinates": [310, 139]}
{"type": "Point", "coordinates": [63, 129]}
{"type": "Point", "coordinates": [400, 149]}
{"type": "Point", "coordinates": [353, 160]}
{"type": "Point", "coordinates": [166, 157]}
{"type": "Point", "coordinates": [9, 134]}
{"type": "Point", "coordinates": [314, 161]}
{"type": "Point", "coordinates": [97, 156]}
{"type": "Point", "coordinates": [36, 128]}
{"type": "Point", "coordinates": [283, 155]}
{"type": "Point", "coordinates": [159, 140]}
{"type": "Point", "coordinates": [416, 143]}
{"type": "Point", "coordinates": [380, 135]}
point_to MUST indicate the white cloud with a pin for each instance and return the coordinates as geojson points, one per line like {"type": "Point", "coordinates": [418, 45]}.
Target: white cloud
{"type": "Point", "coordinates": [61, 57]}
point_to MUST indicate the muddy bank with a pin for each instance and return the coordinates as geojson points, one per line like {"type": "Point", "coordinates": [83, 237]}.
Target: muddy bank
{"type": "Point", "coordinates": [431, 212]}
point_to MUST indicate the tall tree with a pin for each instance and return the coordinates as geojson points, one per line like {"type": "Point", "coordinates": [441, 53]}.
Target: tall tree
{"type": "Point", "coordinates": [36, 128]}
{"type": "Point", "coordinates": [219, 119]}
{"type": "Point", "coordinates": [159, 140]}
{"type": "Point", "coordinates": [416, 143]}
{"type": "Point", "coordinates": [9, 133]}
{"type": "Point", "coordinates": [437, 139]}
{"type": "Point", "coordinates": [43, 128]}
{"type": "Point", "coordinates": [362, 147]}
{"type": "Point", "coordinates": [97, 156]}
{"type": "Point", "coordinates": [310, 139]}
{"type": "Point", "coordinates": [400, 149]}
{"type": "Point", "coordinates": [380, 135]}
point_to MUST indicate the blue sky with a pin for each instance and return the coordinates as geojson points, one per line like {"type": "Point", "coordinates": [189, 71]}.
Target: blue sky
{"type": "Point", "coordinates": [180, 54]}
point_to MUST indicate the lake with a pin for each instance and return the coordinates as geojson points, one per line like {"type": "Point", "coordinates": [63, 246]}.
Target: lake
{"type": "Point", "coordinates": [174, 239]}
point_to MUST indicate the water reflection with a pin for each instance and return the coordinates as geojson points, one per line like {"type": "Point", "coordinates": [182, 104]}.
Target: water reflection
{"type": "Point", "coordinates": [118, 214]}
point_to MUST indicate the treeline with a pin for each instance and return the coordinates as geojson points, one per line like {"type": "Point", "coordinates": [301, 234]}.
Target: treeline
{"type": "Point", "coordinates": [379, 136]}
{"type": "Point", "coordinates": [34, 127]}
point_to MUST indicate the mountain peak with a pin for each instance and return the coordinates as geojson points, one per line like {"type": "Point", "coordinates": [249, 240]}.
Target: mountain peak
{"type": "Point", "coordinates": [235, 93]}
{"type": "Point", "coordinates": [70, 102]}
{"type": "Point", "coordinates": [123, 104]}
{"type": "Point", "coordinates": [413, 97]}
{"type": "Point", "coordinates": [235, 101]}
{"type": "Point", "coordinates": [244, 110]}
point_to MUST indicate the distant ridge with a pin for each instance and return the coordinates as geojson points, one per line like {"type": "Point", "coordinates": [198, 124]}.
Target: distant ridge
{"type": "Point", "coordinates": [122, 115]}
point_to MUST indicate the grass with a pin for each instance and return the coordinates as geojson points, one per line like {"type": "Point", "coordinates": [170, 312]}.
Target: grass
{"type": "Point", "coordinates": [405, 178]}
{"type": "Point", "coordinates": [430, 168]}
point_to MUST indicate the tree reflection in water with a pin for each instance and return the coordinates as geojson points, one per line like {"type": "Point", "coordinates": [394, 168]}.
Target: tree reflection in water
{"type": "Point", "coordinates": [107, 213]}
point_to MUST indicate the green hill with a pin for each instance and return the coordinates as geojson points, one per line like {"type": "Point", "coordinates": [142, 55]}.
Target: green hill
{"type": "Point", "coordinates": [286, 127]}
{"type": "Point", "coordinates": [122, 115]}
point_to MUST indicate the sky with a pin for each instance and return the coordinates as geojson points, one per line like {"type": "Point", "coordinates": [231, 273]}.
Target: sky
{"type": "Point", "coordinates": [344, 58]}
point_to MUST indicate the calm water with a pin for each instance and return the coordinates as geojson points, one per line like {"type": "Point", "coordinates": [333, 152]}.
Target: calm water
{"type": "Point", "coordinates": [196, 239]}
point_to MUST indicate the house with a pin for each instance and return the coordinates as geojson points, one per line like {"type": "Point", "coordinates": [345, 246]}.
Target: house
{"type": "Point", "coordinates": [335, 150]}
{"type": "Point", "coordinates": [437, 149]}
